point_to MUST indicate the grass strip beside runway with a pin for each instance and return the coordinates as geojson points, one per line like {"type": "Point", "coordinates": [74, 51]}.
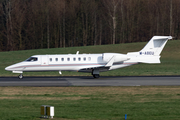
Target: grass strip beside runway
{"type": "Point", "coordinates": [91, 103]}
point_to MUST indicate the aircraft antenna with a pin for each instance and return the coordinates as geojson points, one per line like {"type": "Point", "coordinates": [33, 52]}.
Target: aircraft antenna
{"type": "Point", "coordinates": [77, 52]}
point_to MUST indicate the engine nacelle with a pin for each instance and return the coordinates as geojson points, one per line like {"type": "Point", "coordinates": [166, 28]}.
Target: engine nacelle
{"type": "Point", "coordinates": [117, 57]}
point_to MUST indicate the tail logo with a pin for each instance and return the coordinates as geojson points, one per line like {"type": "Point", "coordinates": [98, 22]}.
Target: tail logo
{"type": "Point", "coordinates": [146, 53]}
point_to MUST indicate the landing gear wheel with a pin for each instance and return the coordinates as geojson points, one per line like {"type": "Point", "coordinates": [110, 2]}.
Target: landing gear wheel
{"type": "Point", "coordinates": [96, 75]}
{"type": "Point", "coordinates": [20, 76]}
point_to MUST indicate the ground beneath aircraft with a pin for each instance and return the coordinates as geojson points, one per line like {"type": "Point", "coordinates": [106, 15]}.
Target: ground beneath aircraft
{"type": "Point", "coordinates": [90, 81]}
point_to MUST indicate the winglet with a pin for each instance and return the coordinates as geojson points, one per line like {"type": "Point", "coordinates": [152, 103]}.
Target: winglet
{"type": "Point", "coordinates": [110, 63]}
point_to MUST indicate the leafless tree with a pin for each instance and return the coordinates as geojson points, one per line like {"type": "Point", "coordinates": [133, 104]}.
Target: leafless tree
{"type": "Point", "coordinates": [32, 24]}
{"type": "Point", "coordinates": [7, 14]}
{"type": "Point", "coordinates": [112, 6]}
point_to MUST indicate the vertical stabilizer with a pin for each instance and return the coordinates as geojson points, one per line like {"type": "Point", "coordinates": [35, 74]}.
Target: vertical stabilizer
{"type": "Point", "coordinates": [155, 45]}
{"type": "Point", "coordinates": [152, 50]}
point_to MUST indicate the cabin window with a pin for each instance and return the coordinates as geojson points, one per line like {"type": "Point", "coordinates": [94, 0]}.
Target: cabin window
{"type": "Point", "coordinates": [62, 59]}
{"type": "Point", "coordinates": [89, 58]}
{"type": "Point", "coordinates": [79, 59]}
{"type": "Point", "coordinates": [56, 59]}
{"type": "Point", "coordinates": [50, 59]}
{"type": "Point", "coordinates": [84, 59]}
{"type": "Point", "coordinates": [74, 59]}
{"type": "Point", "coordinates": [32, 59]}
{"type": "Point", "coordinates": [68, 59]}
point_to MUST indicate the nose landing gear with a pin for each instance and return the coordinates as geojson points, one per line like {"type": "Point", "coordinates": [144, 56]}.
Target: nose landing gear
{"type": "Point", "coordinates": [20, 76]}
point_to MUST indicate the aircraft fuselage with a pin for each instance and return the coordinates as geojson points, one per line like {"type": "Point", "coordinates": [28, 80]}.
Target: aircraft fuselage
{"type": "Point", "coordinates": [70, 62]}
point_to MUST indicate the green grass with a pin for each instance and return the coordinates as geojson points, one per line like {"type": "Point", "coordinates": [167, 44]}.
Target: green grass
{"type": "Point", "coordinates": [91, 103]}
{"type": "Point", "coordinates": [170, 60]}
{"type": "Point", "coordinates": [95, 103]}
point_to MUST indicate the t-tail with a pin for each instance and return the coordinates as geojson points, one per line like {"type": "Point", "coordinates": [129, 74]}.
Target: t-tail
{"type": "Point", "coordinates": [151, 52]}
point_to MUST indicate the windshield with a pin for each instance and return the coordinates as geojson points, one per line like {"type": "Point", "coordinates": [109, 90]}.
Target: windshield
{"type": "Point", "coordinates": [32, 59]}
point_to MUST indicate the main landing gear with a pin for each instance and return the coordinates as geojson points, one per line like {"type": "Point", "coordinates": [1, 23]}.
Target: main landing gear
{"type": "Point", "coordinates": [20, 76]}
{"type": "Point", "coordinates": [95, 73]}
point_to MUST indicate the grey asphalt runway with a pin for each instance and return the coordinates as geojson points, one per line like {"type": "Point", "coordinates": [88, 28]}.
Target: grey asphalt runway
{"type": "Point", "coordinates": [90, 81]}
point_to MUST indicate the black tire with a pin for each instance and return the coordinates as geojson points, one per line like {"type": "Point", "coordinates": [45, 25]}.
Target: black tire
{"type": "Point", "coordinates": [96, 75]}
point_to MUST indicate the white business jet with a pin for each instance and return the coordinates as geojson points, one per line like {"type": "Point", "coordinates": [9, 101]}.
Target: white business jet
{"type": "Point", "coordinates": [92, 63]}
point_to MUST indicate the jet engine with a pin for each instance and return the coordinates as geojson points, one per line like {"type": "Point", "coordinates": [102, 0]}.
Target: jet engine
{"type": "Point", "coordinates": [117, 57]}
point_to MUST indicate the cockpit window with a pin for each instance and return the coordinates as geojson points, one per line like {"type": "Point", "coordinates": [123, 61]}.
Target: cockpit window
{"type": "Point", "coordinates": [32, 59]}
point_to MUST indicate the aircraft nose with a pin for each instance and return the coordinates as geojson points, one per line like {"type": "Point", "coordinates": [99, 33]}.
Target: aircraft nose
{"type": "Point", "coordinates": [9, 68]}
{"type": "Point", "coordinates": [15, 67]}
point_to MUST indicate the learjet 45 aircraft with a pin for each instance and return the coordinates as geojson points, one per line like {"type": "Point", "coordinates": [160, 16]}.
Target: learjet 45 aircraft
{"type": "Point", "coordinates": [92, 63]}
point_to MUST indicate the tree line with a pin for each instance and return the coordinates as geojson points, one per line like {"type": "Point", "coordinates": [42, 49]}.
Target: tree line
{"type": "Point", "coordinates": [34, 24]}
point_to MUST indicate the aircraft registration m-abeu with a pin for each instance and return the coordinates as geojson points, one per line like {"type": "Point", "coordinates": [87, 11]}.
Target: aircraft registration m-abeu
{"type": "Point", "coordinates": [92, 63]}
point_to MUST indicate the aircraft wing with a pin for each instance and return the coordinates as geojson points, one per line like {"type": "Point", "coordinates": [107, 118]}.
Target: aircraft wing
{"type": "Point", "coordinates": [89, 70]}
{"type": "Point", "coordinates": [111, 58]}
